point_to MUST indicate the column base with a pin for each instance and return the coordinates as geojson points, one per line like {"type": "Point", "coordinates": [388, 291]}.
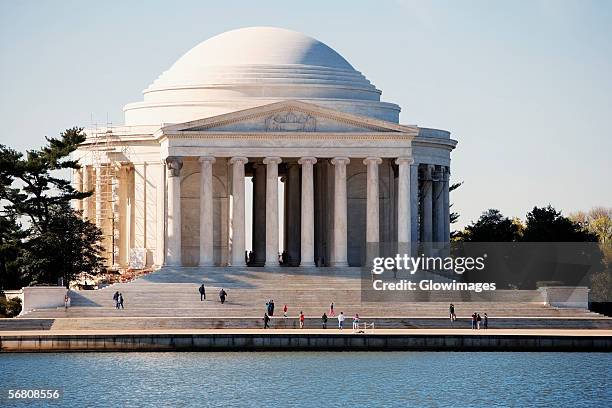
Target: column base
{"type": "Point", "coordinates": [339, 264]}
{"type": "Point", "coordinates": [307, 264]}
{"type": "Point", "coordinates": [205, 264]}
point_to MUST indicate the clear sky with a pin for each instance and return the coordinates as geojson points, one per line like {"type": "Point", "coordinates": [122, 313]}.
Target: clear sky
{"type": "Point", "coordinates": [524, 86]}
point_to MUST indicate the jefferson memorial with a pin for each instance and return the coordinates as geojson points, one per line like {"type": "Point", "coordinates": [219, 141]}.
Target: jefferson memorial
{"type": "Point", "coordinates": [264, 106]}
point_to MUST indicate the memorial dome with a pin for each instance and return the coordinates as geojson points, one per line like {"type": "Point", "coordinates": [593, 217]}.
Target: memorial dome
{"type": "Point", "coordinates": [255, 66]}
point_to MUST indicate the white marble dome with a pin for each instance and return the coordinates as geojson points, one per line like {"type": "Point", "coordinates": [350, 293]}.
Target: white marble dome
{"type": "Point", "coordinates": [255, 66]}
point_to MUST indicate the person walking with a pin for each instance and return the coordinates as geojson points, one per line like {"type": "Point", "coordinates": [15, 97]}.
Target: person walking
{"type": "Point", "coordinates": [271, 307]}
{"type": "Point", "coordinates": [341, 320]}
{"type": "Point", "coordinates": [202, 291]}
{"type": "Point", "coordinates": [301, 320]}
{"type": "Point", "coordinates": [324, 320]}
{"type": "Point", "coordinates": [356, 321]}
{"type": "Point", "coordinates": [222, 295]}
{"type": "Point", "coordinates": [331, 310]}
{"type": "Point", "coordinates": [478, 320]}
{"type": "Point", "coordinates": [474, 321]}
{"type": "Point", "coordinates": [120, 304]}
{"type": "Point", "coordinates": [285, 308]}
{"type": "Point", "coordinates": [486, 321]}
{"type": "Point", "coordinates": [116, 299]}
{"type": "Point", "coordinates": [266, 320]}
{"type": "Point", "coordinates": [66, 301]}
{"type": "Point", "coordinates": [451, 311]}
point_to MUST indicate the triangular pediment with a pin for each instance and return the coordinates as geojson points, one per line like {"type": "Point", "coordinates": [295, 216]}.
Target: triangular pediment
{"type": "Point", "coordinates": [287, 116]}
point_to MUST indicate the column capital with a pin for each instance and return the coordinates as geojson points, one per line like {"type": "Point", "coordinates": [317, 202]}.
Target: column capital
{"type": "Point", "coordinates": [404, 160]}
{"type": "Point", "coordinates": [426, 172]}
{"type": "Point", "coordinates": [207, 159]}
{"type": "Point", "coordinates": [174, 164]}
{"type": "Point", "coordinates": [340, 160]}
{"type": "Point", "coordinates": [272, 160]}
{"type": "Point", "coordinates": [439, 174]}
{"type": "Point", "coordinates": [307, 160]}
{"type": "Point", "coordinates": [372, 160]}
{"type": "Point", "coordinates": [239, 159]}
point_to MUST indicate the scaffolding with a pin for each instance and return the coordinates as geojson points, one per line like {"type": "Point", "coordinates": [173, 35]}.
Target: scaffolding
{"type": "Point", "coordinates": [104, 146]}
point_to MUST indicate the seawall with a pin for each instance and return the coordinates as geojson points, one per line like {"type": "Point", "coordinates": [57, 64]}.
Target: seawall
{"type": "Point", "coordinates": [296, 340]}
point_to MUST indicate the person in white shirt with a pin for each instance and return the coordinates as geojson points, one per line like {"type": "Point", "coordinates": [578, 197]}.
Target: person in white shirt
{"type": "Point", "coordinates": [356, 321]}
{"type": "Point", "coordinates": [341, 320]}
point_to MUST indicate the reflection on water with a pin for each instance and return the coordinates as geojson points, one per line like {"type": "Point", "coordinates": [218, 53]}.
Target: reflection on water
{"type": "Point", "coordinates": [314, 379]}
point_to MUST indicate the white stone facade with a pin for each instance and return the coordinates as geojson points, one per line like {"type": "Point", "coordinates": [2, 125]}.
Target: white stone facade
{"type": "Point", "coordinates": [170, 183]}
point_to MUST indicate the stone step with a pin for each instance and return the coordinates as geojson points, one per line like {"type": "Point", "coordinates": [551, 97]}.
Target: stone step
{"type": "Point", "coordinates": [173, 292]}
{"type": "Point", "coordinates": [151, 323]}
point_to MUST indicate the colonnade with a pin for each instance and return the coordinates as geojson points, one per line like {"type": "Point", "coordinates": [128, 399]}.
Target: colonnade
{"type": "Point", "coordinates": [422, 207]}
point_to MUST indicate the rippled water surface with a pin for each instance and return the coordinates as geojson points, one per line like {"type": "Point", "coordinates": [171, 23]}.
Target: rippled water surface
{"type": "Point", "coordinates": [314, 379]}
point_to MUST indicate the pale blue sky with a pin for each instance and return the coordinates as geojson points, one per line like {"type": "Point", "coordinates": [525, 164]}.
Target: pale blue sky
{"type": "Point", "coordinates": [524, 86]}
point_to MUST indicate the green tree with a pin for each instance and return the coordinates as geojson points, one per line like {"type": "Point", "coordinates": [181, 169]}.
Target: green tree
{"type": "Point", "coordinates": [546, 224]}
{"type": "Point", "coordinates": [31, 186]}
{"type": "Point", "coordinates": [70, 246]}
{"type": "Point", "coordinates": [598, 221]}
{"type": "Point", "coordinates": [492, 226]}
{"type": "Point", "coordinates": [453, 215]}
{"type": "Point", "coordinates": [56, 243]}
{"type": "Point", "coordinates": [11, 237]}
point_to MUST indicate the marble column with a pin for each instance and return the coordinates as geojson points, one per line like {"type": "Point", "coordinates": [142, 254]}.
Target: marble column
{"type": "Point", "coordinates": [259, 215]}
{"type": "Point", "coordinates": [339, 245]}
{"type": "Point", "coordinates": [87, 188]}
{"type": "Point", "coordinates": [404, 207]}
{"type": "Point", "coordinates": [124, 217]}
{"type": "Point", "coordinates": [98, 196]}
{"type": "Point", "coordinates": [307, 216]}
{"type": "Point", "coordinates": [206, 211]}
{"type": "Point", "coordinates": [414, 204]}
{"type": "Point", "coordinates": [116, 209]}
{"type": "Point", "coordinates": [77, 184]}
{"type": "Point", "coordinates": [426, 205]}
{"type": "Point", "coordinates": [173, 241]}
{"type": "Point", "coordinates": [293, 214]}
{"type": "Point", "coordinates": [238, 227]}
{"type": "Point", "coordinates": [272, 210]}
{"type": "Point", "coordinates": [446, 205]}
{"type": "Point", "coordinates": [438, 206]}
{"type": "Point", "coordinates": [372, 200]}
{"type": "Point", "coordinates": [160, 213]}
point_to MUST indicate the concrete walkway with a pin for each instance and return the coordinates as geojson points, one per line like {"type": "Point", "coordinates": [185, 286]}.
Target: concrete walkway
{"type": "Point", "coordinates": [348, 331]}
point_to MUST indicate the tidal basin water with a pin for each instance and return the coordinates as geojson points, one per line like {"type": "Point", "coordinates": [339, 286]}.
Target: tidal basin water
{"type": "Point", "coordinates": [299, 379]}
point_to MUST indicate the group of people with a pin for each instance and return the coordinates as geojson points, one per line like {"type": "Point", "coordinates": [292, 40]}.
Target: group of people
{"type": "Point", "coordinates": [118, 300]}
{"type": "Point", "coordinates": [269, 312]}
{"type": "Point", "coordinates": [341, 318]}
{"type": "Point", "coordinates": [222, 294]}
{"type": "Point", "coordinates": [477, 320]}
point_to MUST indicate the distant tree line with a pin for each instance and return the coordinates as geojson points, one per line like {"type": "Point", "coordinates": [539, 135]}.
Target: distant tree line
{"type": "Point", "coordinates": [546, 224]}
